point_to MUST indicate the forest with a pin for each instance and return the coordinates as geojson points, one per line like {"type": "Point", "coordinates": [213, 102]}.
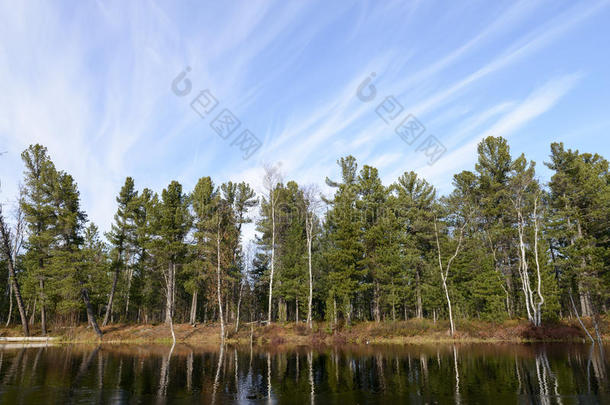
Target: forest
{"type": "Point", "coordinates": [501, 245]}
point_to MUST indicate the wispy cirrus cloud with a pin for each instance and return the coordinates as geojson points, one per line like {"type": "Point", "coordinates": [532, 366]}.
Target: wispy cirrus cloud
{"type": "Point", "coordinates": [91, 81]}
{"type": "Point", "coordinates": [538, 102]}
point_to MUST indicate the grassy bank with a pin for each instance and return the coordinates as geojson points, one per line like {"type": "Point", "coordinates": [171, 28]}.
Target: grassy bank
{"type": "Point", "coordinates": [400, 332]}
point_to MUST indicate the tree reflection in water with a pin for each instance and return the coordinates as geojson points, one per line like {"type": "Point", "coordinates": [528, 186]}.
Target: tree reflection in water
{"type": "Point", "coordinates": [164, 375]}
{"type": "Point", "coordinates": [546, 374]}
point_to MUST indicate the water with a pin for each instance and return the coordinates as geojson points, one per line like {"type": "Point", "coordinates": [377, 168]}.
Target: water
{"type": "Point", "coordinates": [466, 374]}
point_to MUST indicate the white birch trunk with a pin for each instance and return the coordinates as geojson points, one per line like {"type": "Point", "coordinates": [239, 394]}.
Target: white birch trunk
{"type": "Point", "coordinates": [272, 258]}
{"type": "Point", "coordinates": [220, 315]}
{"type": "Point", "coordinates": [310, 299]}
{"type": "Point", "coordinates": [241, 287]}
{"type": "Point", "coordinates": [445, 272]}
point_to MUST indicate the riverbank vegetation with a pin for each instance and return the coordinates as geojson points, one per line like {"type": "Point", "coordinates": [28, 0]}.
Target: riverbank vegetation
{"type": "Point", "coordinates": [412, 331]}
{"type": "Point", "coordinates": [501, 246]}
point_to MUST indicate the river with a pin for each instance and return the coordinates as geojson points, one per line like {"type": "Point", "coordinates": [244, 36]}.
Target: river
{"type": "Point", "coordinates": [419, 374]}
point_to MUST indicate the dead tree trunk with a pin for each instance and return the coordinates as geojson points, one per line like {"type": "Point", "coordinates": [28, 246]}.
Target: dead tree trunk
{"type": "Point", "coordinates": [193, 314]}
{"type": "Point", "coordinates": [90, 314]}
{"type": "Point", "coordinates": [10, 305]}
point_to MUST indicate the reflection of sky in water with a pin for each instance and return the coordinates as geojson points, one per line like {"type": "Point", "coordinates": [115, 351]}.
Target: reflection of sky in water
{"type": "Point", "coordinates": [481, 373]}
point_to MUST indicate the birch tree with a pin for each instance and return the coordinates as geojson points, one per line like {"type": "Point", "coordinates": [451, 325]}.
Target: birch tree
{"type": "Point", "coordinates": [312, 205]}
{"type": "Point", "coordinates": [525, 198]}
{"type": "Point", "coordinates": [10, 245]}
{"type": "Point", "coordinates": [459, 212]}
{"type": "Point", "coordinates": [271, 179]}
{"type": "Point", "coordinates": [444, 269]}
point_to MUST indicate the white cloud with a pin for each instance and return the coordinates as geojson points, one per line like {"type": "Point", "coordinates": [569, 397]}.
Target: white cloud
{"type": "Point", "coordinates": [94, 88]}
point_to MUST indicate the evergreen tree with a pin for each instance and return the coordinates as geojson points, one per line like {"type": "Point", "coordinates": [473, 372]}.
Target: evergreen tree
{"type": "Point", "coordinates": [292, 247]}
{"type": "Point", "coordinates": [37, 208]}
{"type": "Point", "coordinates": [500, 244]}
{"type": "Point", "coordinates": [122, 238]}
{"type": "Point", "coordinates": [414, 202]}
{"type": "Point", "coordinates": [170, 224]}
{"type": "Point", "coordinates": [201, 265]}
{"type": "Point", "coordinates": [493, 217]}
{"type": "Point", "coordinates": [147, 280]}
{"type": "Point", "coordinates": [345, 250]}
{"type": "Point", "coordinates": [580, 219]}
{"type": "Point", "coordinates": [240, 198]}
{"type": "Point", "coordinates": [371, 206]}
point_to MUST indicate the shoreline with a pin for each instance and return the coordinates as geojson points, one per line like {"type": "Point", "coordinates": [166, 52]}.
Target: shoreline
{"type": "Point", "coordinates": [412, 332]}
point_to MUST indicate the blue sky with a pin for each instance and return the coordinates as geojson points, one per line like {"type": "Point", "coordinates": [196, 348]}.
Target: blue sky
{"type": "Point", "coordinates": [92, 82]}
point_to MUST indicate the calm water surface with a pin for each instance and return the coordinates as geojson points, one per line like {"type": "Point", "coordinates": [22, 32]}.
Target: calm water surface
{"type": "Point", "coordinates": [466, 374]}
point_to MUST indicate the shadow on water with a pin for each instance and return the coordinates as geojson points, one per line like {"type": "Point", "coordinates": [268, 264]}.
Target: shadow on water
{"type": "Point", "coordinates": [459, 374]}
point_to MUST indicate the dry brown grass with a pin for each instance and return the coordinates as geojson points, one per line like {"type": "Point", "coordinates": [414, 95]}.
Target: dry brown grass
{"type": "Point", "coordinates": [398, 332]}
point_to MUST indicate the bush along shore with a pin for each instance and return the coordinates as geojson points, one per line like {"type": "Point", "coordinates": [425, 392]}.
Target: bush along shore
{"type": "Point", "coordinates": [413, 331]}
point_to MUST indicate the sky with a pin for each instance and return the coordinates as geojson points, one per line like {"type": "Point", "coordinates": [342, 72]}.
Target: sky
{"type": "Point", "coordinates": [97, 83]}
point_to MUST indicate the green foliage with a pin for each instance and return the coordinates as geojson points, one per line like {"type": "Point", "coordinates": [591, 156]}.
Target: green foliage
{"type": "Point", "coordinates": [523, 247]}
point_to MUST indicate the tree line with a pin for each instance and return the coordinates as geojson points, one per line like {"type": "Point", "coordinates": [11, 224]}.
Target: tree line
{"type": "Point", "coordinates": [500, 245]}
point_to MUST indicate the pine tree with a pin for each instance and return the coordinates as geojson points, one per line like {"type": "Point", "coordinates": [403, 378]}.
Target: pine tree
{"type": "Point", "coordinates": [38, 211]}
{"type": "Point", "coordinates": [500, 244]}
{"type": "Point", "coordinates": [493, 216]}
{"type": "Point", "coordinates": [371, 206]}
{"type": "Point", "coordinates": [241, 198]}
{"type": "Point", "coordinates": [95, 266]}
{"type": "Point", "coordinates": [292, 244]}
{"type": "Point", "coordinates": [69, 274]}
{"type": "Point", "coordinates": [414, 203]}
{"type": "Point", "coordinates": [345, 250]}
{"type": "Point", "coordinates": [201, 266]}
{"type": "Point", "coordinates": [580, 206]}
{"type": "Point", "coordinates": [223, 232]}
{"type": "Point", "coordinates": [147, 281]}
{"type": "Point", "coordinates": [122, 237]}
{"type": "Point", "coordinates": [170, 224]}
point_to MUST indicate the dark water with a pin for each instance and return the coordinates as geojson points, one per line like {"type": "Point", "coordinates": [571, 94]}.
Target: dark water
{"type": "Point", "coordinates": [467, 374]}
